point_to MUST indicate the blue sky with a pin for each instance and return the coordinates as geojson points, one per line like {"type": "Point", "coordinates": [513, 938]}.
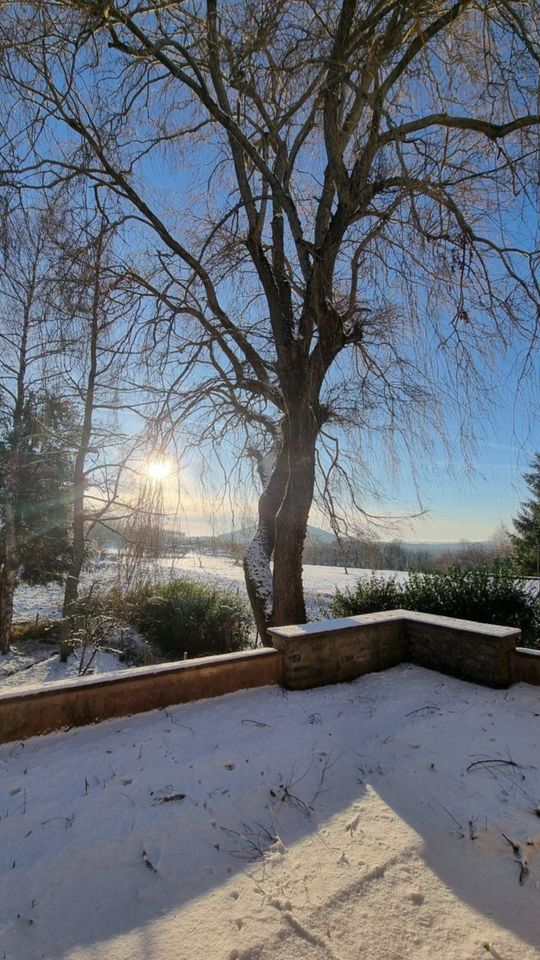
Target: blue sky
{"type": "Point", "coordinates": [469, 498]}
{"type": "Point", "coordinates": [462, 500]}
{"type": "Point", "coordinates": [465, 497]}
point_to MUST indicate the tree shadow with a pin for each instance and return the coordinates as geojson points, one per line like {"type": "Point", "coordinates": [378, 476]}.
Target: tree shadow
{"type": "Point", "coordinates": [109, 828]}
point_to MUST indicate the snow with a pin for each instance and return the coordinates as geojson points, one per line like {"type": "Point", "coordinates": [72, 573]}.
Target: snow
{"type": "Point", "coordinates": [223, 571]}
{"type": "Point", "coordinates": [37, 663]}
{"type": "Point", "coordinates": [260, 573]}
{"type": "Point", "coordinates": [359, 820]}
{"type": "Point", "coordinates": [322, 627]}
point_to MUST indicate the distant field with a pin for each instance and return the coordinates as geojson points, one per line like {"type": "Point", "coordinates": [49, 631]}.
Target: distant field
{"type": "Point", "coordinates": [319, 582]}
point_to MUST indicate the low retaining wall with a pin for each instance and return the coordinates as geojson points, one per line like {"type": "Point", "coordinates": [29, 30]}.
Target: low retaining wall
{"type": "Point", "coordinates": [303, 656]}
{"type": "Point", "coordinates": [330, 651]}
{"type": "Point", "coordinates": [73, 703]}
{"type": "Point", "coordinates": [480, 652]}
{"type": "Point", "coordinates": [333, 650]}
{"type": "Point", "coordinates": [525, 665]}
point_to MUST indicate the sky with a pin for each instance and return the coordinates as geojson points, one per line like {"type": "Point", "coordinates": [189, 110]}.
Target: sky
{"type": "Point", "coordinates": [461, 496]}
{"type": "Point", "coordinates": [462, 500]}
{"type": "Point", "coordinates": [486, 498]}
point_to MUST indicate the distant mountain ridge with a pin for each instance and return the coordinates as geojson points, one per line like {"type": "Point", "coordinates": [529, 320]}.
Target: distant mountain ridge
{"type": "Point", "coordinates": [245, 534]}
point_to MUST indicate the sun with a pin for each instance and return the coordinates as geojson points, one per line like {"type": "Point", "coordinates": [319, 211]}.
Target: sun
{"type": "Point", "coordinates": [158, 470]}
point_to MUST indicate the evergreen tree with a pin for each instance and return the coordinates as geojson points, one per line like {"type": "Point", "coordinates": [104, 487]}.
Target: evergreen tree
{"type": "Point", "coordinates": [36, 478]}
{"type": "Point", "coordinates": [526, 540]}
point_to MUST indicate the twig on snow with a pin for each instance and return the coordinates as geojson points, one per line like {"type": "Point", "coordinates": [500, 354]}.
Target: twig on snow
{"type": "Point", "coordinates": [428, 706]}
{"type": "Point", "coordinates": [168, 798]}
{"type": "Point", "coordinates": [148, 863]}
{"type": "Point", "coordinates": [520, 858]}
{"type": "Point", "coordinates": [497, 760]}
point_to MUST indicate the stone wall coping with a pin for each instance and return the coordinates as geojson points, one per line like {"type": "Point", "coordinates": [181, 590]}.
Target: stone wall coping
{"type": "Point", "coordinates": [489, 630]}
{"type": "Point", "coordinates": [321, 628]}
{"type": "Point", "coordinates": [528, 652]}
{"type": "Point", "coordinates": [72, 685]}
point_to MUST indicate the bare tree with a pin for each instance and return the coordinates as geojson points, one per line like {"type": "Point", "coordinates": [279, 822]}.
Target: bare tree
{"type": "Point", "coordinates": [96, 307]}
{"type": "Point", "coordinates": [352, 254]}
{"type": "Point", "coordinates": [29, 341]}
{"type": "Point", "coordinates": [99, 310]}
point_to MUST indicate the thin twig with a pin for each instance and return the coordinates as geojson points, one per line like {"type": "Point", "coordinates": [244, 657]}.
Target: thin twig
{"type": "Point", "coordinates": [506, 763]}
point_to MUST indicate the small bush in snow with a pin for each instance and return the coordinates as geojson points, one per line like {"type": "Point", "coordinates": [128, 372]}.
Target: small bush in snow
{"type": "Point", "coordinates": [186, 617]}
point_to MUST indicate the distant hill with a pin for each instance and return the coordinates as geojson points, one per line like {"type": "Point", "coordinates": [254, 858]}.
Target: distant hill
{"type": "Point", "coordinates": [436, 546]}
{"type": "Point", "coordinates": [247, 534]}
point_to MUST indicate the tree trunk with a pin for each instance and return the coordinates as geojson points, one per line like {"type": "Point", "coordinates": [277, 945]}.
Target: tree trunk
{"type": "Point", "coordinates": [71, 591]}
{"type": "Point", "coordinates": [8, 571]}
{"type": "Point", "coordinates": [259, 552]}
{"type": "Point", "coordinates": [7, 589]}
{"type": "Point", "coordinates": [292, 520]}
{"type": "Point", "coordinates": [10, 561]}
{"type": "Point", "coordinates": [284, 506]}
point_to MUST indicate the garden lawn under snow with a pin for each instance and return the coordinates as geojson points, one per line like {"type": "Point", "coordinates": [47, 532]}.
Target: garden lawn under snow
{"type": "Point", "coordinates": [392, 818]}
{"type": "Point", "coordinates": [46, 601]}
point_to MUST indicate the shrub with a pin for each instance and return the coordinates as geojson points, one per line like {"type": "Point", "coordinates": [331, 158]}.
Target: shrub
{"type": "Point", "coordinates": [46, 631]}
{"type": "Point", "coordinates": [367, 596]}
{"type": "Point", "coordinates": [478, 594]}
{"type": "Point", "coordinates": [186, 617]}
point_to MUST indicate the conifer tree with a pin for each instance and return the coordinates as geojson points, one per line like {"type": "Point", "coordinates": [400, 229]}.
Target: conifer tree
{"type": "Point", "coordinates": [36, 468]}
{"type": "Point", "coordinates": [526, 539]}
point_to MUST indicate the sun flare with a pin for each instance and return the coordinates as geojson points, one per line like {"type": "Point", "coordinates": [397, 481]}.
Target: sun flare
{"type": "Point", "coordinates": [158, 470]}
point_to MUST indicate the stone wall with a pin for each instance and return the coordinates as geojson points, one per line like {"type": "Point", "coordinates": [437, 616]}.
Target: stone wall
{"type": "Point", "coordinates": [331, 651]}
{"type": "Point", "coordinates": [73, 703]}
{"type": "Point", "coordinates": [334, 650]}
{"type": "Point", "coordinates": [480, 652]}
{"type": "Point", "coordinates": [305, 655]}
{"type": "Point", "coordinates": [525, 664]}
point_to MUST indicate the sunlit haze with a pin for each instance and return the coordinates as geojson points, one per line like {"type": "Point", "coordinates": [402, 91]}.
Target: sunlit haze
{"type": "Point", "coordinates": [159, 470]}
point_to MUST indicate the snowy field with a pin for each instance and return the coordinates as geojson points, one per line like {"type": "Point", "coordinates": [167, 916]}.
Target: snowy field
{"type": "Point", "coordinates": [393, 818]}
{"type": "Point", "coordinates": [318, 581]}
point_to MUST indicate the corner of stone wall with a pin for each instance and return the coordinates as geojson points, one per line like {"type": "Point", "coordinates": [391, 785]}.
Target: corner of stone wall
{"type": "Point", "coordinates": [337, 652]}
{"type": "Point", "coordinates": [525, 665]}
{"type": "Point", "coordinates": [461, 648]}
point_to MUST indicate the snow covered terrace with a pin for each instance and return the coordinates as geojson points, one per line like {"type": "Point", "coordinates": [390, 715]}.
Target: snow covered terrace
{"type": "Point", "coordinates": [391, 817]}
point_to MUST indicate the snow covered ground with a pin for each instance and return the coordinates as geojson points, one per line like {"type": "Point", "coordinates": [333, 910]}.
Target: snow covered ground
{"type": "Point", "coordinates": [393, 818]}
{"type": "Point", "coordinates": [39, 663]}
{"type": "Point", "coordinates": [320, 581]}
